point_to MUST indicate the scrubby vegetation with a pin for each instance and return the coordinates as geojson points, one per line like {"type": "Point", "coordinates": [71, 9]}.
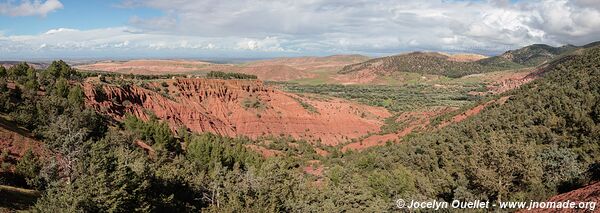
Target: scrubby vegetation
{"type": "Point", "coordinates": [120, 76]}
{"type": "Point", "coordinates": [536, 54]}
{"type": "Point", "coordinates": [253, 103]}
{"type": "Point", "coordinates": [426, 63]}
{"type": "Point", "coordinates": [308, 107]}
{"type": "Point", "coordinates": [438, 64]}
{"type": "Point", "coordinates": [229, 75]}
{"type": "Point", "coordinates": [394, 98]}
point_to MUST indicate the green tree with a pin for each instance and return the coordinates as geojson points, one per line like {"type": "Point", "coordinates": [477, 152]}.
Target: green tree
{"type": "Point", "coordinates": [560, 167]}
{"type": "Point", "coordinates": [29, 168]}
{"type": "Point", "coordinates": [163, 137]}
{"type": "Point", "coordinates": [3, 72]}
{"type": "Point", "coordinates": [31, 84]}
{"type": "Point", "coordinates": [61, 88]}
{"type": "Point", "coordinates": [5, 102]}
{"type": "Point", "coordinates": [154, 131]}
{"type": "Point", "coordinates": [76, 96]}
{"type": "Point", "coordinates": [60, 69]}
{"type": "Point", "coordinates": [17, 71]}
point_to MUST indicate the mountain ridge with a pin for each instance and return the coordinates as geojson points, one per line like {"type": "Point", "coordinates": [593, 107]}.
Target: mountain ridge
{"type": "Point", "coordinates": [439, 63]}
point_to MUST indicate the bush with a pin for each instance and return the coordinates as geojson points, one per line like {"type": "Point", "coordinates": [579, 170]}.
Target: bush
{"type": "Point", "coordinates": [156, 132]}
{"type": "Point", "coordinates": [253, 103]}
{"type": "Point", "coordinates": [229, 75]}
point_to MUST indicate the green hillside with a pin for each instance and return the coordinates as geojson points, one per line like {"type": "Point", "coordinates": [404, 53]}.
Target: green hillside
{"type": "Point", "coordinates": [438, 64]}
{"type": "Point", "coordinates": [544, 140]}
{"type": "Point", "coordinates": [425, 63]}
{"type": "Point", "coordinates": [536, 54]}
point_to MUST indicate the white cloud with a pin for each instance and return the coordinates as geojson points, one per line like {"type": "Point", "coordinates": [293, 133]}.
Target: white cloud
{"type": "Point", "coordinates": [30, 7]}
{"type": "Point", "coordinates": [108, 42]}
{"type": "Point", "coordinates": [247, 27]}
{"type": "Point", "coordinates": [269, 44]}
{"type": "Point", "coordinates": [459, 25]}
{"type": "Point", "coordinates": [59, 30]}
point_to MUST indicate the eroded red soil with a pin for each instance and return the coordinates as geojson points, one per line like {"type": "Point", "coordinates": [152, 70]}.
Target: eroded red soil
{"type": "Point", "coordinates": [239, 107]}
{"type": "Point", "coordinates": [413, 120]}
{"type": "Point", "coordinates": [315, 168]}
{"type": "Point", "coordinates": [280, 69]}
{"type": "Point", "coordinates": [473, 111]}
{"type": "Point", "coordinates": [17, 142]}
{"type": "Point", "coordinates": [590, 193]}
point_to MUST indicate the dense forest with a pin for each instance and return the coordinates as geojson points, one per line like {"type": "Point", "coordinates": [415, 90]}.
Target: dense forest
{"type": "Point", "coordinates": [545, 139]}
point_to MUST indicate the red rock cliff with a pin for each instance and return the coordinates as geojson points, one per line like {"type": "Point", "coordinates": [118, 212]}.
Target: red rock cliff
{"type": "Point", "coordinates": [238, 107]}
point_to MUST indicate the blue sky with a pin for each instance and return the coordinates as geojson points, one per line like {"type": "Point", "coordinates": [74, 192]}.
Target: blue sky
{"type": "Point", "coordinates": [257, 28]}
{"type": "Point", "coordinates": [75, 14]}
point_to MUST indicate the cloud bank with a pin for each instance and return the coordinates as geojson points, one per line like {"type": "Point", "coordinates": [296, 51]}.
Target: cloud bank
{"type": "Point", "coordinates": [320, 27]}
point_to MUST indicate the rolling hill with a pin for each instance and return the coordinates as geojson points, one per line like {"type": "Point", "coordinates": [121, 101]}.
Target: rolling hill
{"type": "Point", "coordinates": [277, 69]}
{"type": "Point", "coordinates": [421, 62]}
{"type": "Point", "coordinates": [532, 55]}
{"type": "Point", "coordinates": [313, 63]}
{"type": "Point", "coordinates": [443, 64]}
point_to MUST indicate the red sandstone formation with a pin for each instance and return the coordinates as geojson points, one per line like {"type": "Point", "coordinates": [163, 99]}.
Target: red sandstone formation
{"type": "Point", "coordinates": [238, 107]}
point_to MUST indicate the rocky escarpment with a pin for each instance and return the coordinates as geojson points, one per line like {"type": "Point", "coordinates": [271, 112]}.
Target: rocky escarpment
{"type": "Point", "coordinates": [118, 101]}
{"type": "Point", "coordinates": [237, 107]}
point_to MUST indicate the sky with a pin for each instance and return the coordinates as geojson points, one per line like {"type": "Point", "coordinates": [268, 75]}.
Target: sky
{"type": "Point", "coordinates": [77, 29]}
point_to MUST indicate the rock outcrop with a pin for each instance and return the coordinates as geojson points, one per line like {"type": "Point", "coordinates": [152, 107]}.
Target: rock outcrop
{"type": "Point", "coordinates": [238, 108]}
